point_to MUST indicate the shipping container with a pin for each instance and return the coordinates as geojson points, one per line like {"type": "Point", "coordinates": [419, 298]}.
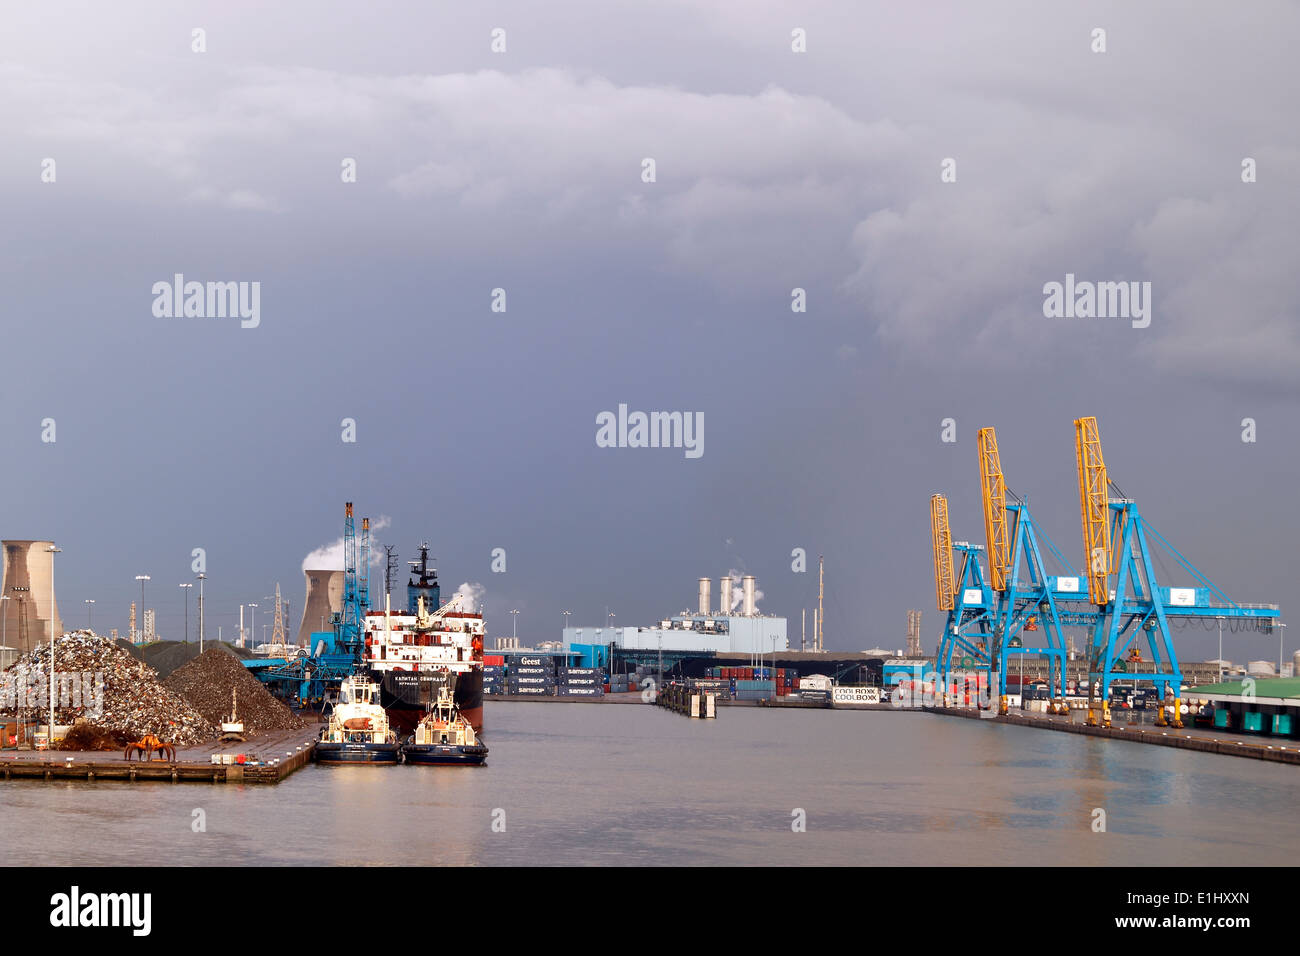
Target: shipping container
{"type": "Point", "coordinates": [579, 692]}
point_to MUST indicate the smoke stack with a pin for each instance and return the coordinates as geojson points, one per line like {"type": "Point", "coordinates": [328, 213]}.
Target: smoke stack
{"type": "Point", "coordinates": [724, 587]}
{"type": "Point", "coordinates": [751, 606]}
{"type": "Point", "coordinates": [324, 599]}
{"type": "Point", "coordinates": [706, 587]}
{"type": "Point", "coordinates": [31, 614]}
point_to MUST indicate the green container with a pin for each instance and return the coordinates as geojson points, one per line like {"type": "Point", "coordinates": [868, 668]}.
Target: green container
{"type": "Point", "coordinates": [1221, 718]}
{"type": "Point", "coordinates": [1282, 725]}
{"type": "Point", "coordinates": [1252, 722]}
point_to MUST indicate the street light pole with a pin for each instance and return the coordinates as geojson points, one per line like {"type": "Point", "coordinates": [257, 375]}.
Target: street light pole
{"type": "Point", "coordinates": [514, 624]}
{"type": "Point", "coordinates": [252, 625]}
{"type": "Point", "coordinates": [49, 739]}
{"type": "Point", "coordinates": [187, 611]}
{"type": "Point", "coordinates": [88, 602]}
{"type": "Point", "coordinates": [202, 578]}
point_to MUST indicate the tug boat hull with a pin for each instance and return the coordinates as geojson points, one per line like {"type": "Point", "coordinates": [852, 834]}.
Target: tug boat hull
{"type": "Point", "coordinates": [472, 755]}
{"type": "Point", "coordinates": [340, 753]}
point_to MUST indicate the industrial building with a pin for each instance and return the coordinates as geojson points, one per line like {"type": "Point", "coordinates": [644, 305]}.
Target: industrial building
{"type": "Point", "coordinates": [707, 630]}
{"type": "Point", "coordinates": [30, 611]}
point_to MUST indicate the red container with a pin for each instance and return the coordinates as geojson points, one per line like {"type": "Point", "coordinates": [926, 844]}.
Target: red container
{"type": "Point", "coordinates": [494, 659]}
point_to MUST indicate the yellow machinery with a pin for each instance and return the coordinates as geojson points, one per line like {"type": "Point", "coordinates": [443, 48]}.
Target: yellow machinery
{"type": "Point", "coordinates": [941, 536]}
{"type": "Point", "coordinates": [1094, 490]}
{"type": "Point", "coordinates": [993, 488]}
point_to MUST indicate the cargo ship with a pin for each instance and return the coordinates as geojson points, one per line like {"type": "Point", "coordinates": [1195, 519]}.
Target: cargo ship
{"type": "Point", "coordinates": [443, 736]}
{"type": "Point", "coordinates": [415, 653]}
{"type": "Point", "coordinates": [358, 730]}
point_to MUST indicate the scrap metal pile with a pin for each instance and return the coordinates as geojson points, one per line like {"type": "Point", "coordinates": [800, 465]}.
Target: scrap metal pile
{"type": "Point", "coordinates": [99, 682]}
{"type": "Point", "coordinates": [207, 682]}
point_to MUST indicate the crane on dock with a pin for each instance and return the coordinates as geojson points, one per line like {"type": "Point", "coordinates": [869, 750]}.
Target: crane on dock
{"type": "Point", "coordinates": [966, 599]}
{"type": "Point", "coordinates": [1119, 543]}
{"type": "Point", "coordinates": [1029, 599]}
{"type": "Point", "coordinates": [312, 674]}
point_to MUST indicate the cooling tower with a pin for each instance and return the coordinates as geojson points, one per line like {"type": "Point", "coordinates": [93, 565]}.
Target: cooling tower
{"type": "Point", "coordinates": [324, 600]}
{"type": "Point", "coordinates": [724, 595]}
{"type": "Point", "coordinates": [31, 607]}
{"type": "Point", "coordinates": [706, 586]}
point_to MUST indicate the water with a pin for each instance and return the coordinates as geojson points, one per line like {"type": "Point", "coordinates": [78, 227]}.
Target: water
{"type": "Point", "coordinates": [632, 785]}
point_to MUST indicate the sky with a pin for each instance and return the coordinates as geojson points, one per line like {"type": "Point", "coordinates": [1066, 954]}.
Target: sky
{"type": "Point", "coordinates": [523, 169]}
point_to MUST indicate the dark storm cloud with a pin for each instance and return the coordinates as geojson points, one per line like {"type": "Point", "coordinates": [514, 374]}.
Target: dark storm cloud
{"type": "Point", "coordinates": [522, 171]}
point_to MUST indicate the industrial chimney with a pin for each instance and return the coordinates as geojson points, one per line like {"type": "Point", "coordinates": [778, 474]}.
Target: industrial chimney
{"type": "Point", "coordinates": [724, 589]}
{"type": "Point", "coordinates": [751, 606]}
{"type": "Point", "coordinates": [31, 610]}
{"type": "Point", "coordinates": [706, 587]}
{"type": "Point", "coordinates": [324, 599]}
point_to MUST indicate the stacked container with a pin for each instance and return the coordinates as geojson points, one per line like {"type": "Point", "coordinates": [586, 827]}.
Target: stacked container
{"type": "Point", "coordinates": [580, 682]}
{"type": "Point", "coordinates": [620, 684]}
{"type": "Point", "coordinates": [531, 676]}
{"type": "Point", "coordinates": [494, 678]}
{"type": "Point", "coordinates": [755, 689]}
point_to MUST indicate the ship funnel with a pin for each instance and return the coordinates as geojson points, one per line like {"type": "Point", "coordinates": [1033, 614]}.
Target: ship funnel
{"type": "Point", "coordinates": [706, 587]}
{"type": "Point", "coordinates": [324, 599]}
{"type": "Point", "coordinates": [751, 606]}
{"type": "Point", "coordinates": [31, 614]}
{"type": "Point", "coordinates": [724, 598]}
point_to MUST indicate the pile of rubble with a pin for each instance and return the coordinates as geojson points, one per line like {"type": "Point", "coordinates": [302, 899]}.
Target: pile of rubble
{"type": "Point", "coordinates": [99, 682]}
{"type": "Point", "coordinates": [207, 682]}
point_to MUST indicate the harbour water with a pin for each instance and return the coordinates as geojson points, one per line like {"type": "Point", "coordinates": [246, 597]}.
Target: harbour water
{"type": "Point", "coordinates": [631, 785]}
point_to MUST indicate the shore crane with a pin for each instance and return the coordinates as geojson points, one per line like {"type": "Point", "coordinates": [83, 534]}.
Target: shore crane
{"type": "Point", "coordinates": [1029, 599]}
{"type": "Point", "coordinates": [1118, 543]}
{"type": "Point", "coordinates": [967, 600]}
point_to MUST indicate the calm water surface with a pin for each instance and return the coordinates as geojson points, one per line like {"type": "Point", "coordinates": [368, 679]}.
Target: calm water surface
{"type": "Point", "coordinates": [634, 785]}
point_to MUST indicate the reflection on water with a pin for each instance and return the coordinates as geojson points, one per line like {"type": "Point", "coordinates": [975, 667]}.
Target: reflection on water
{"type": "Point", "coordinates": [608, 784]}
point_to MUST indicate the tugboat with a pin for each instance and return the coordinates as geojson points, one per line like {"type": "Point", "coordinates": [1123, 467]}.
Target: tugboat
{"type": "Point", "coordinates": [444, 736]}
{"type": "Point", "coordinates": [358, 730]}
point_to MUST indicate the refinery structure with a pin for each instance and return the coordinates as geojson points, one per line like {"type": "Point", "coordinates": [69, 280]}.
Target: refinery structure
{"type": "Point", "coordinates": [733, 626]}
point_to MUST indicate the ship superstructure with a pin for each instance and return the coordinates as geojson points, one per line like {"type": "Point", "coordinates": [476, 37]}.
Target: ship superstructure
{"type": "Point", "coordinates": [414, 653]}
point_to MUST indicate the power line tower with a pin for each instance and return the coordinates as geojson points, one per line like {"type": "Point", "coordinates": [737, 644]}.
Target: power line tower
{"type": "Point", "coordinates": [277, 629]}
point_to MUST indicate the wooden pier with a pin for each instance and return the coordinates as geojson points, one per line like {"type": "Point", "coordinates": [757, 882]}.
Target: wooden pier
{"type": "Point", "coordinates": [269, 758]}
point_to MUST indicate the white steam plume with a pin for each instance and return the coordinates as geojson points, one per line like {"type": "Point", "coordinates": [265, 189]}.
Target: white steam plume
{"type": "Point", "coordinates": [329, 557]}
{"type": "Point", "coordinates": [738, 591]}
{"type": "Point", "coordinates": [469, 597]}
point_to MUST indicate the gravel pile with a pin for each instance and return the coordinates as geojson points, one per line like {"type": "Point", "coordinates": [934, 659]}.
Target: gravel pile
{"type": "Point", "coordinates": [98, 681]}
{"type": "Point", "coordinates": [207, 682]}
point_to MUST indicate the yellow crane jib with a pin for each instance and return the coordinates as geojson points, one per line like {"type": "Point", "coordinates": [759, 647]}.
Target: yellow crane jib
{"type": "Point", "coordinates": [993, 488]}
{"type": "Point", "coordinates": [1094, 488]}
{"type": "Point", "coordinates": [944, 587]}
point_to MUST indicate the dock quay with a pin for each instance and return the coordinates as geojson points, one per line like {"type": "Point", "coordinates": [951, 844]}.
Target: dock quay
{"type": "Point", "coordinates": [269, 759]}
{"type": "Point", "coordinates": [1185, 739]}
